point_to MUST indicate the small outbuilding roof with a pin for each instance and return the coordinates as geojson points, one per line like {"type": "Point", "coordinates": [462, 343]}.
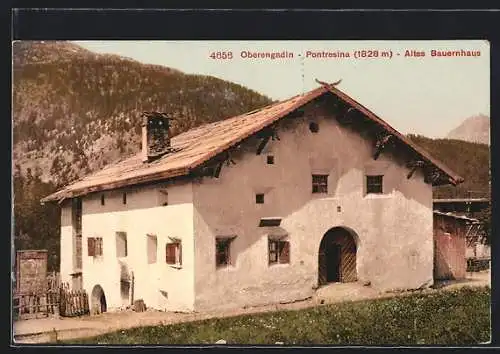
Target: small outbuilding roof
{"type": "Point", "coordinates": [198, 145]}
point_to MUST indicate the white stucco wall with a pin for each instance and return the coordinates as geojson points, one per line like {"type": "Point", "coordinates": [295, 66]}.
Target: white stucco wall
{"type": "Point", "coordinates": [394, 230]}
{"type": "Point", "coordinates": [160, 285]}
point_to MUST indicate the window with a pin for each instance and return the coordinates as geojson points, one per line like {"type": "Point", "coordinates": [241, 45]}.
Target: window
{"type": "Point", "coordinates": [270, 159]}
{"type": "Point", "coordinates": [279, 252]}
{"type": "Point", "coordinates": [269, 222]}
{"type": "Point", "coordinates": [174, 253]}
{"type": "Point", "coordinates": [223, 252]}
{"type": "Point", "coordinates": [162, 197]}
{"type": "Point", "coordinates": [314, 127]}
{"type": "Point", "coordinates": [320, 183]}
{"type": "Point", "coordinates": [102, 199]}
{"type": "Point", "coordinates": [94, 245]}
{"type": "Point", "coordinates": [152, 245]}
{"type": "Point", "coordinates": [259, 198]}
{"type": "Point", "coordinates": [124, 198]}
{"type": "Point", "coordinates": [374, 184]}
{"type": "Point", "coordinates": [121, 244]}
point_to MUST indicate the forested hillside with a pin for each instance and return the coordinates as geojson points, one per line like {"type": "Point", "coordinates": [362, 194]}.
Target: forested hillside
{"type": "Point", "coordinates": [469, 160]}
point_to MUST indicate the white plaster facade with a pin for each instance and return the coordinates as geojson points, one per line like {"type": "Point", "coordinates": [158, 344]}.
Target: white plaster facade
{"type": "Point", "coordinates": [393, 231]}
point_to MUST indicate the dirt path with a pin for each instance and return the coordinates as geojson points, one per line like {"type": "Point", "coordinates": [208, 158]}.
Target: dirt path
{"type": "Point", "coordinates": [52, 329]}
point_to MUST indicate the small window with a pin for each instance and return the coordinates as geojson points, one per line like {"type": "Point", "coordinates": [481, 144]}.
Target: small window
{"type": "Point", "coordinates": [374, 184]}
{"type": "Point", "coordinates": [162, 197]}
{"type": "Point", "coordinates": [279, 252]}
{"type": "Point", "coordinates": [270, 159]}
{"type": "Point", "coordinates": [269, 222]}
{"type": "Point", "coordinates": [259, 198]}
{"type": "Point", "coordinates": [152, 244]}
{"type": "Point", "coordinates": [121, 244]}
{"type": "Point", "coordinates": [314, 127]}
{"type": "Point", "coordinates": [94, 246]}
{"type": "Point", "coordinates": [174, 253]}
{"type": "Point", "coordinates": [124, 198]}
{"type": "Point", "coordinates": [102, 199]}
{"type": "Point", "coordinates": [223, 252]}
{"type": "Point", "coordinates": [320, 183]}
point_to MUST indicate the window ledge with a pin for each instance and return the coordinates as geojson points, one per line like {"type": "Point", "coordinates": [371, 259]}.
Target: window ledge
{"type": "Point", "coordinates": [176, 266]}
{"type": "Point", "coordinates": [228, 267]}
{"type": "Point", "coordinates": [377, 196]}
{"type": "Point", "coordinates": [279, 265]}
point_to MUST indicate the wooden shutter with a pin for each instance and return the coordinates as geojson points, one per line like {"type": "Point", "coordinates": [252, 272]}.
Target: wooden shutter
{"type": "Point", "coordinates": [284, 252]}
{"type": "Point", "coordinates": [170, 253]}
{"type": "Point", "coordinates": [91, 246]}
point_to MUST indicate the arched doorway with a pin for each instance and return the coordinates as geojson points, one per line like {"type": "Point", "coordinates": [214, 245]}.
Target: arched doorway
{"type": "Point", "coordinates": [98, 300]}
{"type": "Point", "coordinates": [337, 257]}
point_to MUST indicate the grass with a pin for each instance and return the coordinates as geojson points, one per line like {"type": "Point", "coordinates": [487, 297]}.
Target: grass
{"type": "Point", "coordinates": [456, 317]}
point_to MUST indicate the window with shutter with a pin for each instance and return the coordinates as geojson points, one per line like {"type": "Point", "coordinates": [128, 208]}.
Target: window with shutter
{"type": "Point", "coordinates": [98, 246]}
{"type": "Point", "coordinates": [279, 252]}
{"type": "Point", "coordinates": [174, 253]}
{"type": "Point", "coordinates": [273, 251]}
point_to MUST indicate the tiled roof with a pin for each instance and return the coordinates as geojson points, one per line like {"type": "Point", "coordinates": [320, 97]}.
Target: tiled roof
{"type": "Point", "coordinates": [196, 146]}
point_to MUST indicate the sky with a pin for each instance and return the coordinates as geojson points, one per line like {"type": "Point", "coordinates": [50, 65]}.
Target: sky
{"type": "Point", "coordinates": [428, 95]}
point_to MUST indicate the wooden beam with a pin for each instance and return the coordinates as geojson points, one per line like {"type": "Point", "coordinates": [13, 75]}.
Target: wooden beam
{"type": "Point", "coordinates": [217, 170]}
{"type": "Point", "coordinates": [432, 176]}
{"type": "Point", "coordinates": [229, 160]}
{"type": "Point", "coordinates": [262, 144]}
{"type": "Point", "coordinates": [414, 165]}
{"type": "Point", "coordinates": [380, 145]}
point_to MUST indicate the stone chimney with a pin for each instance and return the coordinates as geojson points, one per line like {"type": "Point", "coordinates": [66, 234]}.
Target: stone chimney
{"type": "Point", "coordinates": [155, 135]}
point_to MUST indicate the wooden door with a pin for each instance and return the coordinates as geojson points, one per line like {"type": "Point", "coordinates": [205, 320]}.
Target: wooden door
{"type": "Point", "coordinates": [348, 261]}
{"type": "Point", "coordinates": [333, 262]}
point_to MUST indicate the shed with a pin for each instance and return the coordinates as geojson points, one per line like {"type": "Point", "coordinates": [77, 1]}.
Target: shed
{"type": "Point", "coordinates": [450, 245]}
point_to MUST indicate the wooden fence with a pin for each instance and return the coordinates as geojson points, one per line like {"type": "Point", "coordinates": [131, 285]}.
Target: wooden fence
{"type": "Point", "coordinates": [73, 303]}
{"type": "Point", "coordinates": [57, 299]}
{"type": "Point", "coordinates": [36, 304]}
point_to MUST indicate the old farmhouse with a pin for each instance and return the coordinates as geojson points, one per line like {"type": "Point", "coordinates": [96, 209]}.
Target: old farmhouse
{"type": "Point", "coordinates": [260, 208]}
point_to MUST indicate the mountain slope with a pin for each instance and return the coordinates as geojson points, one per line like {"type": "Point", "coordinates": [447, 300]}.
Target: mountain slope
{"type": "Point", "coordinates": [474, 129]}
{"type": "Point", "coordinates": [75, 111]}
